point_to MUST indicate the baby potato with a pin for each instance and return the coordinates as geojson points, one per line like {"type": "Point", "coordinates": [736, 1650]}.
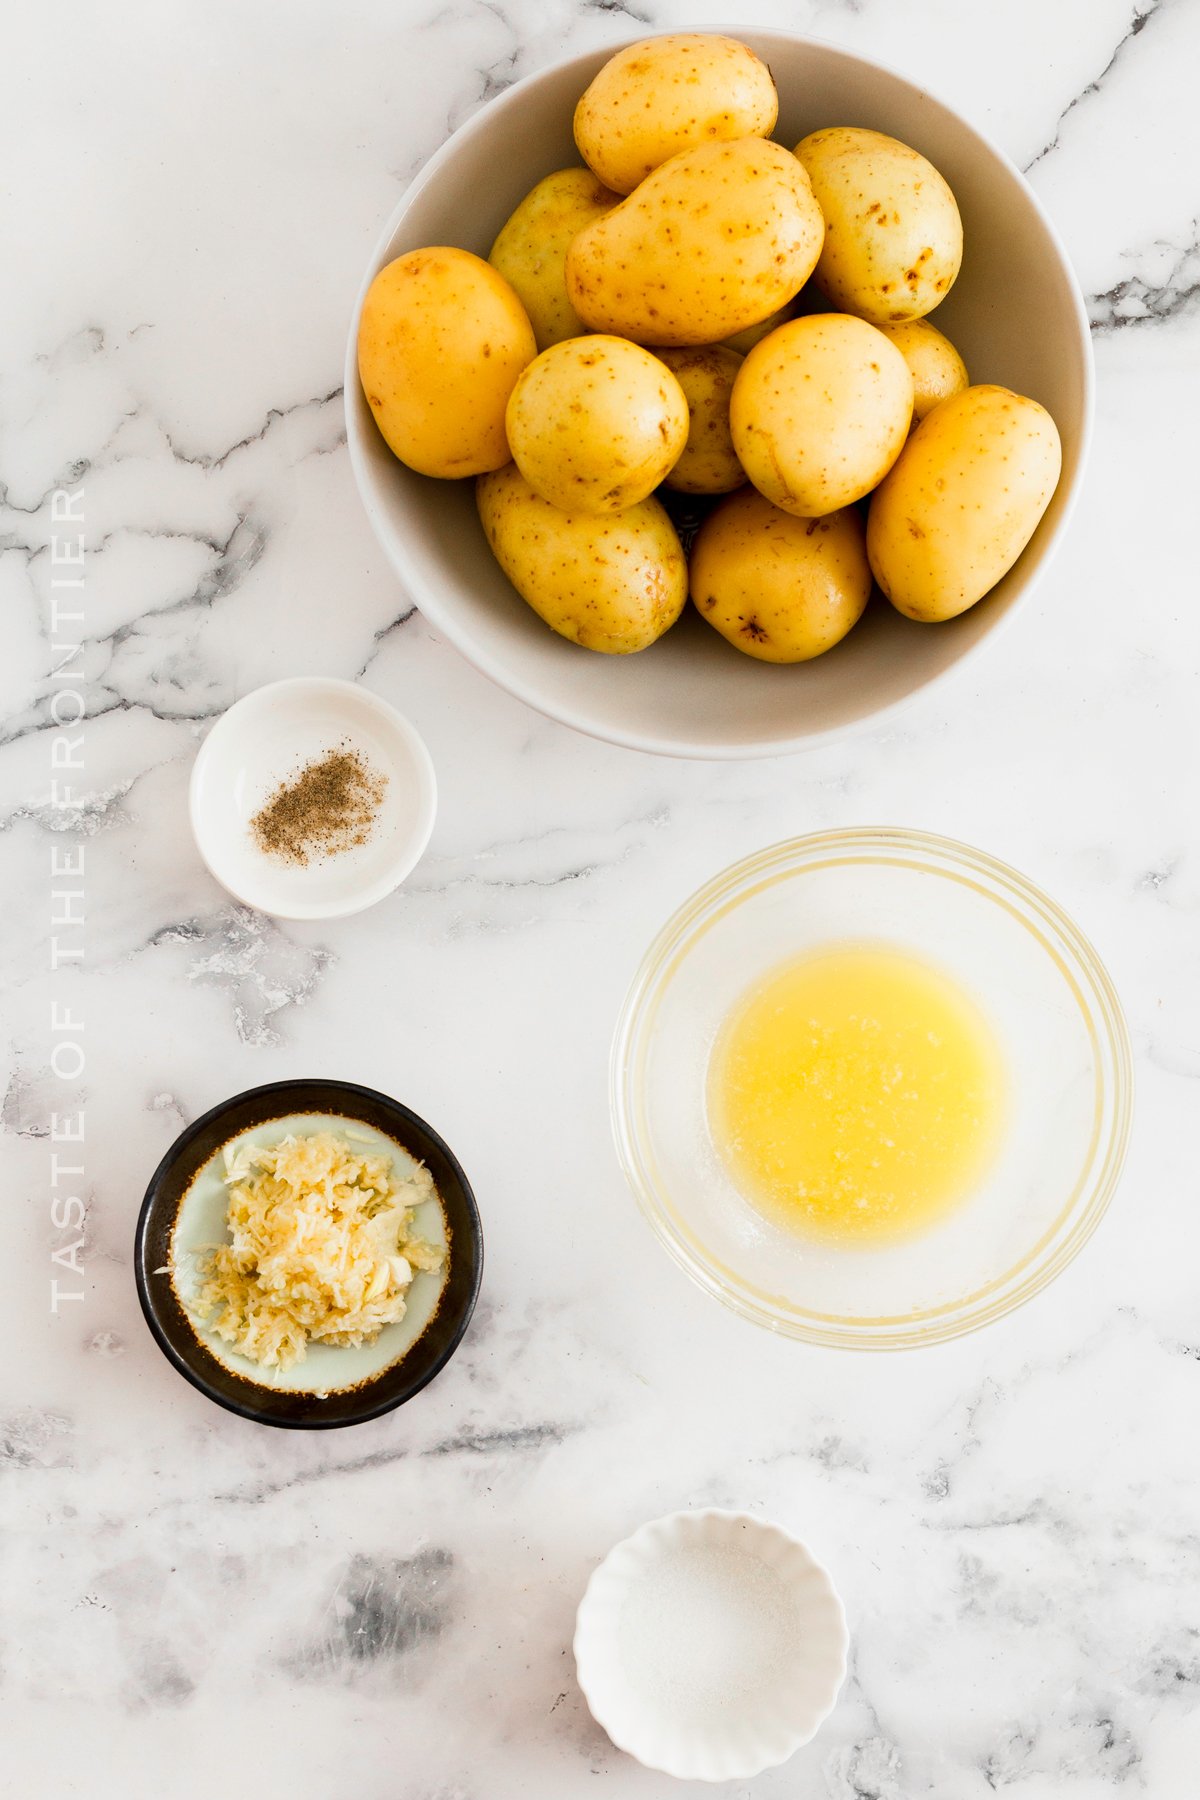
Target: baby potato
{"type": "Point", "coordinates": [667, 94]}
{"type": "Point", "coordinates": [532, 247]}
{"type": "Point", "coordinates": [610, 582]}
{"type": "Point", "coordinates": [779, 587]}
{"type": "Point", "coordinates": [441, 341]}
{"type": "Point", "coordinates": [744, 341]}
{"type": "Point", "coordinates": [934, 364]}
{"type": "Point", "coordinates": [810, 299]}
{"type": "Point", "coordinates": [893, 237]}
{"type": "Point", "coordinates": [963, 501]}
{"type": "Point", "coordinates": [820, 411]}
{"type": "Point", "coordinates": [595, 423]}
{"type": "Point", "coordinates": [713, 240]}
{"type": "Point", "coordinates": [708, 464]}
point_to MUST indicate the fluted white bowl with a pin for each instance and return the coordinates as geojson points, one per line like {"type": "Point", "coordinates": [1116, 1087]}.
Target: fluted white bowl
{"type": "Point", "coordinates": [640, 1657]}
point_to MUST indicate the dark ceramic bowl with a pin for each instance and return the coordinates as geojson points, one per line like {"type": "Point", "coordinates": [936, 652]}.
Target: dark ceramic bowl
{"type": "Point", "coordinates": [176, 1335]}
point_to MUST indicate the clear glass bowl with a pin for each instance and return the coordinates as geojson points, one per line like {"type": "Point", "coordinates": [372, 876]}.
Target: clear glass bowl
{"type": "Point", "coordinates": [1049, 1001]}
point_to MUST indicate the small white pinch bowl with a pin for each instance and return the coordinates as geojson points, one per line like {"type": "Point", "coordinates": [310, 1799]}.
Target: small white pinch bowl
{"type": "Point", "coordinates": [270, 736]}
{"type": "Point", "coordinates": [667, 1702]}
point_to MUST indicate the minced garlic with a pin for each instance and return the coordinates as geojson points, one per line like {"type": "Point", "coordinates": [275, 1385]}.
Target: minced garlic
{"type": "Point", "coordinates": [321, 1248]}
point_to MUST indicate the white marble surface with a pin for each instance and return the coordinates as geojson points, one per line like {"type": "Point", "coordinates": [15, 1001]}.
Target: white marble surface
{"type": "Point", "coordinates": [190, 1604]}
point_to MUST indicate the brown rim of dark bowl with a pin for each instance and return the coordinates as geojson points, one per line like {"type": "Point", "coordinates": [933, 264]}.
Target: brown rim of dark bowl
{"type": "Point", "coordinates": [173, 1330]}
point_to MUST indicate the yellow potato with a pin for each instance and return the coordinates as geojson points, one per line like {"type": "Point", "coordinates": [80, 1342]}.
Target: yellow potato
{"type": "Point", "coordinates": [934, 364]}
{"type": "Point", "coordinates": [781, 588]}
{"type": "Point", "coordinates": [667, 94]}
{"type": "Point", "coordinates": [744, 341]}
{"type": "Point", "coordinates": [532, 247]}
{"type": "Point", "coordinates": [963, 501]}
{"type": "Point", "coordinates": [893, 237]}
{"type": "Point", "coordinates": [708, 464]}
{"type": "Point", "coordinates": [441, 341]}
{"type": "Point", "coordinates": [595, 423]}
{"type": "Point", "coordinates": [714, 240]}
{"type": "Point", "coordinates": [820, 412]}
{"type": "Point", "coordinates": [810, 299]}
{"type": "Point", "coordinates": [614, 582]}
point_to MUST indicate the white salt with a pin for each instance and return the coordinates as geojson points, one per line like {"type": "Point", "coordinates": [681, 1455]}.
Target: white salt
{"type": "Point", "coordinates": [705, 1628]}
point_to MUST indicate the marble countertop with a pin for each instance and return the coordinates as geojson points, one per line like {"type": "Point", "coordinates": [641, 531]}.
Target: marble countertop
{"type": "Point", "coordinates": [386, 1612]}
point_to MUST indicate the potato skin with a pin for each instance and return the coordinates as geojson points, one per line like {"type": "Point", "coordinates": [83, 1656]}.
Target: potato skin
{"type": "Point", "coordinates": [963, 501]}
{"type": "Point", "coordinates": [744, 341]}
{"type": "Point", "coordinates": [934, 364]}
{"type": "Point", "coordinates": [531, 248]}
{"type": "Point", "coordinates": [709, 464]}
{"type": "Point", "coordinates": [714, 240]}
{"type": "Point", "coordinates": [441, 341]}
{"type": "Point", "coordinates": [595, 423]}
{"type": "Point", "coordinates": [893, 236]}
{"type": "Point", "coordinates": [612, 583]}
{"type": "Point", "coordinates": [820, 411]}
{"type": "Point", "coordinates": [809, 300]}
{"type": "Point", "coordinates": [781, 588]}
{"type": "Point", "coordinates": [667, 94]}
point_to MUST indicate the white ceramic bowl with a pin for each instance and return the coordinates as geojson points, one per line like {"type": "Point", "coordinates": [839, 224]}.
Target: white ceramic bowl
{"type": "Point", "coordinates": [272, 734]}
{"type": "Point", "coordinates": [1015, 313]}
{"type": "Point", "coordinates": [710, 1645]}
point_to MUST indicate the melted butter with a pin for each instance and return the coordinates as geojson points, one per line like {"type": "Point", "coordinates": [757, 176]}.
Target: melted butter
{"type": "Point", "coordinates": [856, 1095]}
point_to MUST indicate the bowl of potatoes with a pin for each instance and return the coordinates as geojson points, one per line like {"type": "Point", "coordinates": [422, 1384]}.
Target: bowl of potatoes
{"type": "Point", "coordinates": [716, 395]}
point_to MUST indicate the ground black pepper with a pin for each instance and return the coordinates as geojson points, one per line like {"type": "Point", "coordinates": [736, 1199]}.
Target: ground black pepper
{"type": "Point", "coordinates": [329, 807]}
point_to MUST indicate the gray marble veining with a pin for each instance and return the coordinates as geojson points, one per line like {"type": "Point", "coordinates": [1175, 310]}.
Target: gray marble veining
{"type": "Point", "coordinates": [1012, 1519]}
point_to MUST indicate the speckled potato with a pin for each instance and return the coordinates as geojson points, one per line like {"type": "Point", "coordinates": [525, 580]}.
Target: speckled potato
{"type": "Point", "coordinates": [714, 240]}
{"type": "Point", "coordinates": [820, 411]}
{"type": "Point", "coordinates": [934, 364]}
{"type": "Point", "coordinates": [667, 94]}
{"type": "Point", "coordinates": [810, 299]}
{"type": "Point", "coordinates": [610, 582]}
{"type": "Point", "coordinates": [782, 588]}
{"type": "Point", "coordinates": [441, 341]}
{"type": "Point", "coordinates": [709, 464]}
{"type": "Point", "coordinates": [963, 501]}
{"type": "Point", "coordinates": [893, 236]}
{"type": "Point", "coordinates": [744, 341]}
{"type": "Point", "coordinates": [531, 250]}
{"type": "Point", "coordinates": [595, 423]}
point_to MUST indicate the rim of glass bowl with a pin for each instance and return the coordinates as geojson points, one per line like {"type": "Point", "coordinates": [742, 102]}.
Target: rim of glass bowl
{"type": "Point", "coordinates": [1060, 938]}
